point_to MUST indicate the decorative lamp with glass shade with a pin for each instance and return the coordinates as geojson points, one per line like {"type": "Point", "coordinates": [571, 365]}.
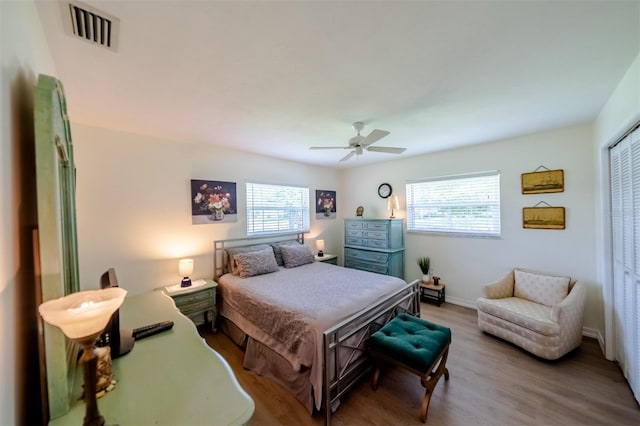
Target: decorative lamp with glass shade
{"type": "Point", "coordinates": [320, 247]}
{"type": "Point", "coordinates": [82, 317]}
{"type": "Point", "coordinates": [392, 203]}
{"type": "Point", "coordinates": [185, 269]}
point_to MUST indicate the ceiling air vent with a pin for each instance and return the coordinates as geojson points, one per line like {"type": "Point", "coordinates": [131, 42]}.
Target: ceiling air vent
{"type": "Point", "coordinates": [92, 25]}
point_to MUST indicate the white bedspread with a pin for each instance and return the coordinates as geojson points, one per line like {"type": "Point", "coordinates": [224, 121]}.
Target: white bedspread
{"type": "Point", "coordinates": [288, 310]}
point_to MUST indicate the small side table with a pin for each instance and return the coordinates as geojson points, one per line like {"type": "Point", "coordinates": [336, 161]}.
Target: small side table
{"type": "Point", "coordinates": [196, 301]}
{"type": "Point", "coordinates": [429, 292]}
{"type": "Point", "coordinates": [327, 258]}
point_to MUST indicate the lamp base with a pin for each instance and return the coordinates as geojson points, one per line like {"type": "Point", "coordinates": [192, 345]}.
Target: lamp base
{"type": "Point", "coordinates": [186, 282]}
{"type": "Point", "coordinates": [320, 253]}
{"type": "Point", "coordinates": [89, 359]}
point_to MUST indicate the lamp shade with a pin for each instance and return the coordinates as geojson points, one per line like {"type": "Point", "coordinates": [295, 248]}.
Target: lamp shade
{"type": "Point", "coordinates": [392, 203]}
{"type": "Point", "coordinates": [84, 313]}
{"type": "Point", "coordinates": [320, 245]}
{"type": "Point", "coordinates": [185, 267]}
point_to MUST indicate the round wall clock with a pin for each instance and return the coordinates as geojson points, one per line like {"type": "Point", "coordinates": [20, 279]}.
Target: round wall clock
{"type": "Point", "coordinates": [384, 190]}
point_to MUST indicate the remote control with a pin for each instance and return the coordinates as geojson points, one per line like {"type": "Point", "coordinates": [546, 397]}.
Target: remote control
{"type": "Point", "coordinates": [150, 330]}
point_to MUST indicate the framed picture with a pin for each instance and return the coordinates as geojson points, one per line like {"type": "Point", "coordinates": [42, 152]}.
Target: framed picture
{"type": "Point", "coordinates": [325, 204]}
{"type": "Point", "coordinates": [543, 217]}
{"type": "Point", "coordinates": [213, 201]}
{"type": "Point", "coordinates": [543, 181]}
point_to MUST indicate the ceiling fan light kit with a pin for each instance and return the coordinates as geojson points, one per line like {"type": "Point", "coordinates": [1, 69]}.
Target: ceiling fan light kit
{"type": "Point", "coordinates": [358, 144]}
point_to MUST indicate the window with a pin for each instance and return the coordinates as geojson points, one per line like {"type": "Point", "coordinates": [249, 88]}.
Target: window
{"type": "Point", "coordinates": [466, 205]}
{"type": "Point", "coordinates": [273, 209]}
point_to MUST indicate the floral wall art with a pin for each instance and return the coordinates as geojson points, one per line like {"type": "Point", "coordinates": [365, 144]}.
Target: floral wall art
{"type": "Point", "coordinates": [325, 204]}
{"type": "Point", "coordinates": [213, 201]}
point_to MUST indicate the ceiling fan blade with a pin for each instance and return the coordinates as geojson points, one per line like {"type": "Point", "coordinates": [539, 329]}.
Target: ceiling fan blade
{"type": "Point", "coordinates": [329, 147]}
{"type": "Point", "coordinates": [349, 155]}
{"type": "Point", "coordinates": [386, 149]}
{"type": "Point", "coordinates": [374, 136]}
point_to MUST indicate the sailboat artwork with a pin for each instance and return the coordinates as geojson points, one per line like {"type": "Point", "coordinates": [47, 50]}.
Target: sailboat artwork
{"type": "Point", "coordinates": [543, 217]}
{"type": "Point", "coordinates": [543, 182]}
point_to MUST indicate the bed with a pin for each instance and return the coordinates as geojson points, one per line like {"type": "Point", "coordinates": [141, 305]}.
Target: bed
{"type": "Point", "coordinates": [304, 324]}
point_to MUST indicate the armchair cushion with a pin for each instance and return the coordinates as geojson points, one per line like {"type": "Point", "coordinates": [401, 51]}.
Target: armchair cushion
{"type": "Point", "coordinates": [530, 315]}
{"type": "Point", "coordinates": [548, 290]}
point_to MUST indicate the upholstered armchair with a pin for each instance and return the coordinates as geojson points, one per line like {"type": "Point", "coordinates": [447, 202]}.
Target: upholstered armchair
{"type": "Point", "coordinates": [541, 313]}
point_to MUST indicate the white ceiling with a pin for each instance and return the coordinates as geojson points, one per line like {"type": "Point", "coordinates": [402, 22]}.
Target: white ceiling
{"type": "Point", "coordinates": [275, 77]}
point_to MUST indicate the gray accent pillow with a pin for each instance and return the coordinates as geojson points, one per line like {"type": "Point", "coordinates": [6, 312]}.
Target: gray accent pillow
{"type": "Point", "coordinates": [255, 263]}
{"type": "Point", "coordinates": [278, 253]}
{"type": "Point", "coordinates": [296, 255]}
{"type": "Point", "coordinates": [233, 251]}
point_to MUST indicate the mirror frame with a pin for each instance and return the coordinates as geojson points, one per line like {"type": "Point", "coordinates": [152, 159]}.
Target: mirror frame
{"type": "Point", "coordinates": [56, 255]}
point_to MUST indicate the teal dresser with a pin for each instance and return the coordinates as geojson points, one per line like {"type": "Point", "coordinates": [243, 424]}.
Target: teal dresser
{"type": "Point", "coordinates": [375, 245]}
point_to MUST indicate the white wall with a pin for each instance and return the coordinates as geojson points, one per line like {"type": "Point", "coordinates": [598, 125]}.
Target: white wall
{"type": "Point", "coordinates": [621, 111]}
{"type": "Point", "coordinates": [134, 211]}
{"type": "Point", "coordinates": [24, 54]}
{"type": "Point", "coordinates": [466, 264]}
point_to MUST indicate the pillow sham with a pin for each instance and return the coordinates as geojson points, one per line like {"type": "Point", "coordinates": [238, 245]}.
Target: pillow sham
{"type": "Point", "coordinates": [297, 255]}
{"type": "Point", "coordinates": [547, 290]}
{"type": "Point", "coordinates": [233, 251]}
{"type": "Point", "coordinates": [255, 263]}
{"type": "Point", "coordinates": [278, 253]}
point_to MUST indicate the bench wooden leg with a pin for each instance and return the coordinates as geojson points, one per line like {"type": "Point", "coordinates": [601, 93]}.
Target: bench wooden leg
{"type": "Point", "coordinates": [430, 380]}
{"type": "Point", "coordinates": [376, 376]}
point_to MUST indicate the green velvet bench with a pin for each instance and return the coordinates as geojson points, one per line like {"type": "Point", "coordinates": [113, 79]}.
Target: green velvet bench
{"type": "Point", "coordinates": [417, 345]}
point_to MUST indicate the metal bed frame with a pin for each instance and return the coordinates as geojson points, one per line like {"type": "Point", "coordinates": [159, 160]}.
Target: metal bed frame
{"type": "Point", "coordinates": [348, 338]}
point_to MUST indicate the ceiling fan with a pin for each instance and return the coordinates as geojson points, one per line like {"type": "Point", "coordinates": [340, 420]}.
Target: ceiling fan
{"type": "Point", "coordinates": [358, 144]}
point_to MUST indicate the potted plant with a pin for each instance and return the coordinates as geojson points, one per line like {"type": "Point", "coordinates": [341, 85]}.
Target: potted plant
{"type": "Point", "coordinates": [425, 265]}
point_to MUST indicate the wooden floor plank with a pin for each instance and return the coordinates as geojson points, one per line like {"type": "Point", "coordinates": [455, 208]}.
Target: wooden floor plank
{"type": "Point", "coordinates": [492, 383]}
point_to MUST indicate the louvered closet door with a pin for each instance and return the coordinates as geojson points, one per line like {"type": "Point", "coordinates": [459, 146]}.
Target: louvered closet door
{"type": "Point", "coordinates": [625, 203]}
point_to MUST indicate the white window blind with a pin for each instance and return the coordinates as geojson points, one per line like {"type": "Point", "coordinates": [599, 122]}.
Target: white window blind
{"type": "Point", "coordinates": [465, 204]}
{"type": "Point", "coordinates": [273, 209]}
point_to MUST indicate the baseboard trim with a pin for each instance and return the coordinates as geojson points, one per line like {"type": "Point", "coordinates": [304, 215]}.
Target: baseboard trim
{"type": "Point", "coordinates": [461, 302]}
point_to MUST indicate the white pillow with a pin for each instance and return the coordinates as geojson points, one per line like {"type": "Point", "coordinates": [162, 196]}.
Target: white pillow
{"type": "Point", "coordinates": [548, 290]}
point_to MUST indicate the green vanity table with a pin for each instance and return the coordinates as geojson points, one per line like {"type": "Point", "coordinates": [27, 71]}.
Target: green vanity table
{"type": "Point", "coordinates": [171, 378]}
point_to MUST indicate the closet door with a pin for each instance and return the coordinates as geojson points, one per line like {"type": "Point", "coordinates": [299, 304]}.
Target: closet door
{"type": "Point", "coordinates": [625, 203]}
{"type": "Point", "coordinates": [633, 315]}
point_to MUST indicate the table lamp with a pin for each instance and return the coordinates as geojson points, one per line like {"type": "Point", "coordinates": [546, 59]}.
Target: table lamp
{"type": "Point", "coordinates": [185, 269]}
{"type": "Point", "coordinates": [82, 317]}
{"type": "Point", "coordinates": [392, 203]}
{"type": "Point", "coordinates": [320, 247]}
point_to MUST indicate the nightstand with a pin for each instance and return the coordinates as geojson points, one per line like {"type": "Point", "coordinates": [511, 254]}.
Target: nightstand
{"type": "Point", "coordinates": [429, 292]}
{"type": "Point", "coordinates": [328, 258]}
{"type": "Point", "coordinates": [196, 301]}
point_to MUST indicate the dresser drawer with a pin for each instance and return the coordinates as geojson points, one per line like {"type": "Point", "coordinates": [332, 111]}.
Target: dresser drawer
{"type": "Point", "coordinates": [353, 224]}
{"type": "Point", "coordinates": [366, 242]}
{"type": "Point", "coordinates": [196, 308]}
{"type": "Point", "coordinates": [191, 299]}
{"type": "Point", "coordinates": [369, 256]}
{"type": "Point", "coordinates": [376, 243]}
{"type": "Point", "coordinates": [375, 226]}
{"type": "Point", "coordinates": [354, 233]}
{"type": "Point", "coordinates": [379, 268]}
{"type": "Point", "coordinates": [378, 235]}
{"type": "Point", "coordinates": [351, 241]}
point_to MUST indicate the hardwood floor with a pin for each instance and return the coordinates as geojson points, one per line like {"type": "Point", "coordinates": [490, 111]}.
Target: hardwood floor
{"type": "Point", "coordinates": [492, 383]}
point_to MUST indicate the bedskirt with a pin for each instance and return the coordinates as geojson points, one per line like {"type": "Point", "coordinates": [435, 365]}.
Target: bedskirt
{"type": "Point", "coordinates": [263, 361]}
